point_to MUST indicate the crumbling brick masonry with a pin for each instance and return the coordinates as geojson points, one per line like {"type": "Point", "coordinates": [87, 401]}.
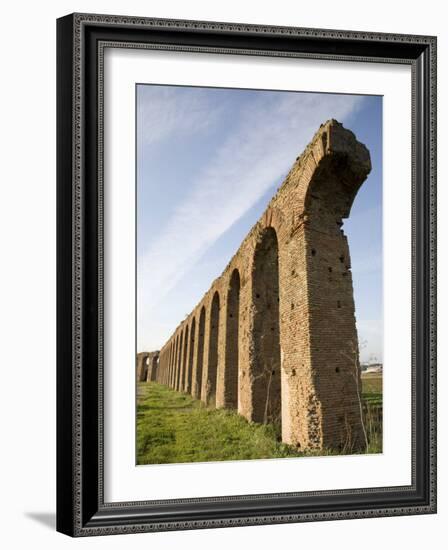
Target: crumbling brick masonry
{"type": "Point", "coordinates": [147, 365]}
{"type": "Point", "coordinates": [275, 335]}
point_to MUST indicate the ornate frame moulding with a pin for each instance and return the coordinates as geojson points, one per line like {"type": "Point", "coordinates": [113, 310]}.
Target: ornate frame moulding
{"type": "Point", "coordinates": [81, 40]}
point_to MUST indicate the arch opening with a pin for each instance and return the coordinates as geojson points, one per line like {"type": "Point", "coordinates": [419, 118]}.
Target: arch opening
{"type": "Point", "coordinates": [147, 370]}
{"type": "Point", "coordinates": [210, 389]}
{"type": "Point", "coordinates": [231, 368]}
{"type": "Point", "coordinates": [266, 375]}
{"type": "Point", "coordinates": [173, 374]}
{"type": "Point", "coordinates": [197, 390]}
{"type": "Point", "coordinates": [173, 355]}
{"type": "Point", "coordinates": [189, 375]}
{"type": "Point", "coordinates": [179, 362]}
{"type": "Point", "coordinates": [183, 373]}
{"type": "Point", "coordinates": [173, 360]}
{"type": "Point", "coordinates": [170, 362]}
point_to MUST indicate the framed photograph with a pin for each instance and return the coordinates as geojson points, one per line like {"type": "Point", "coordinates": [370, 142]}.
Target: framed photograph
{"type": "Point", "coordinates": [246, 274]}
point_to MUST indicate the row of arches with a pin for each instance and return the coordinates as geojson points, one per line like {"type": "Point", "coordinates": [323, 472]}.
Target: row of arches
{"type": "Point", "coordinates": [203, 358]}
{"type": "Point", "coordinates": [147, 366]}
{"type": "Point", "coordinates": [186, 356]}
{"type": "Point", "coordinates": [275, 337]}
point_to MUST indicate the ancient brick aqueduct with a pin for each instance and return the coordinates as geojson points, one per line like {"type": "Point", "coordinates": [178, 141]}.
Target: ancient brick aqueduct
{"type": "Point", "coordinates": [275, 336]}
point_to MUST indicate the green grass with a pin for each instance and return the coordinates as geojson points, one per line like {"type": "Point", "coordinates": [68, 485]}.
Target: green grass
{"type": "Point", "coordinates": [172, 427]}
{"type": "Point", "coordinates": [372, 398]}
{"type": "Point", "coordinates": [372, 383]}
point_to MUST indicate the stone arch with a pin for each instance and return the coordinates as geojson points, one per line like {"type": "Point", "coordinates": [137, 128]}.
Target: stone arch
{"type": "Point", "coordinates": [146, 368]}
{"type": "Point", "coordinates": [316, 381]}
{"type": "Point", "coordinates": [272, 218]}
{"type": "Point", "coordinates": [170, 373]}
{"type": "Point", "coordinates": [173, 360]}
{"type": "Point", "coordinates": [212, 363]}
{"type": "Point", "coordinates": [183, 374]}
{"type": "Point", "coordinates": [174, 369]}
{"type": "Point", "coordinates": [155, 365]}
{"type": "Point", "coordinates": [336, 165]}
{"type": "Point", "coordinates": [266, 371]}
{"type": "Point", "coordinates": [231, 369]}
{"type": "Point", "coordinates": [142, 366]}
{"type": "Point", "coordinates": [197, 375]}
{"type": "Point", "coordinates": [189, 373]}
{"type": "Point", "coordinates": [170, 358]}
{"type": "Point", "coordinates": [164, 361]}
{"type": "Point", "coordinates": [179, 361]}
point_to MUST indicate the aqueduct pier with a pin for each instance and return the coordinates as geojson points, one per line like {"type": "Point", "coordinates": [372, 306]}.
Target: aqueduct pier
{"type": "Point", "coordinates": [275, 335]}
{"type": "Point", "coordinates": [147, 366]}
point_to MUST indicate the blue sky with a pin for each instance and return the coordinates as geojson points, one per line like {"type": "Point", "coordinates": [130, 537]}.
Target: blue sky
{"type": "Point", "coordinates": [208, 162]}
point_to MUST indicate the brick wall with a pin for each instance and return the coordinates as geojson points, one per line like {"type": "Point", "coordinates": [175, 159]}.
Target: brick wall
{"type": "Point", "coordinates": [275, 335]}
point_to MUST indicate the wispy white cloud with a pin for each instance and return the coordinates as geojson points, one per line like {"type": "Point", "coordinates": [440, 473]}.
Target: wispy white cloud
{"type": "Point", "coordinates": [266, 138]}
{"type": "Point", "coordinates": [166, 111]}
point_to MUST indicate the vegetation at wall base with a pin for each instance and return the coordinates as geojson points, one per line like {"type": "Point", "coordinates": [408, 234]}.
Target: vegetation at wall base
{"type": "Point", "coordinates": [172, 427]}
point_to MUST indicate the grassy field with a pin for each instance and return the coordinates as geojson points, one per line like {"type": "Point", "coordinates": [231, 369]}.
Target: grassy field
{"type": "Point", "coordinates": [173, 427]}
{"type": "Point", "coordinates": [372, 396]}
{"type": "Point", "coordinates": [372, 385]}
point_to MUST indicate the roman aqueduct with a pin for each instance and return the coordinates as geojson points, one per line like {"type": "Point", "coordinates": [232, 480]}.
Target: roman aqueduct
{"type": "Point", "coordinates": [147, 365]}
{"type": "Point", "coordinates": [275, 336]}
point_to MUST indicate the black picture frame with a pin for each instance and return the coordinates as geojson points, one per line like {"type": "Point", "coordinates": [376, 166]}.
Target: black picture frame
{"type": "Point", "coordinates": [81, 510]}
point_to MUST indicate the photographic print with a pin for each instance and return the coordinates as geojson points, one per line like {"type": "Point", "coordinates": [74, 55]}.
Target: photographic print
{"type": "Point", "coordinates": [259, 274]}
{"type": "Point", "coordinates": [246, 233]}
